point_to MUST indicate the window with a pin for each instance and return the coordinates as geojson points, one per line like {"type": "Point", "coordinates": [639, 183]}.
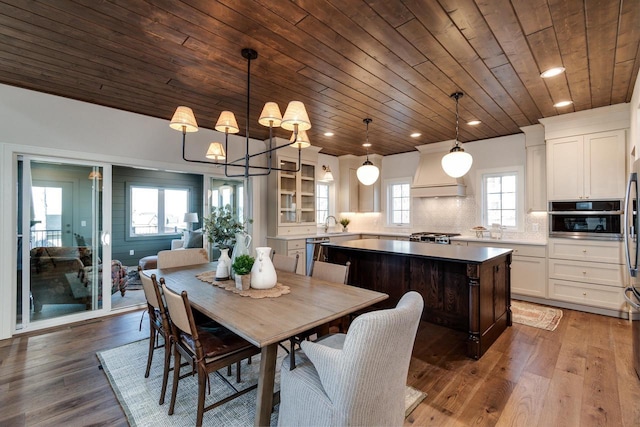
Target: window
{"type": "Point", "coordinates": [398, 202]}
{"type": "Point", "coordinates": [157, 211]}
{"type": "Point", "coordinates": [502, 198]}
{"type": "Point", "coordinates": [322, 203]}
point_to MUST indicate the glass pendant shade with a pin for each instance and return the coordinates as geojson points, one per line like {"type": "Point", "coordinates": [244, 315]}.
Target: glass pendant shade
{"type": "Point", "coordinates": [457, 163]}
{"type": "Point", "coordinates": [368, 173]}
{"type": "Point", "coordinates": [216, 152]}
{"type": "Point", "coordinates": [227, 123]}
{"type": "Point", "coordinates": [183, 118]}
{"type": "Point", "coordinates": [270, 115]}
{"type": "Point", "coordinates": [302, 141]}
{"type": "Point", "coordinates": [296, 114]}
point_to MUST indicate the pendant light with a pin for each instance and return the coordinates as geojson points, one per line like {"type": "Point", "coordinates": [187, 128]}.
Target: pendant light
{"type": "Point", "coordinates": [367, 173]}
{"type": "Point", "coordinates": [457, 163]}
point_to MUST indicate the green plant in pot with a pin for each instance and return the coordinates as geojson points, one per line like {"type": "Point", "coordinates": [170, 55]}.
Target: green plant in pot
{"type": "Point", "coordinates": [221, 227]}
{"type": "Point", "coordinates": [242, 267]}
{"type": "Point", "coordinates": [344, 222]}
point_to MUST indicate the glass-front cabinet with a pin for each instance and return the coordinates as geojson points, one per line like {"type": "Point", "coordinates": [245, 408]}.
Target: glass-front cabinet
{"type": "Point", "coordinates": [293, 209]}
{"type": "Point", "coordinates": [296, 193]}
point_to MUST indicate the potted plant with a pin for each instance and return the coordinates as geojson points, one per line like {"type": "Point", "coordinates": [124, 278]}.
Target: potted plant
{"type": "Point", "coordinates": [344, 222]}
{"type": "Point", "coordinates": [222, 225]}
{"type": "Point", "coordinates": [242, 267]}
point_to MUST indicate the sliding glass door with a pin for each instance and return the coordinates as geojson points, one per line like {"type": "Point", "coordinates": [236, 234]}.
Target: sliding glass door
{"type": "Point", "coordinates": [61, 244]}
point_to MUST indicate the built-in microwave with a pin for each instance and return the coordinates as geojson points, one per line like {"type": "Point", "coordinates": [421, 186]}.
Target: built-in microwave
{"type": "Point", "coordinates": [581, 219]}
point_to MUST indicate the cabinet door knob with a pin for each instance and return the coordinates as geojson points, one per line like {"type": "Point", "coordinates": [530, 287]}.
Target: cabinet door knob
{"type": "Point", "coordinates": [584, 251]}
{"type": "Point", "coordinates": [584, 272]}
{"type": "Point", "coordinates": [584, 293]}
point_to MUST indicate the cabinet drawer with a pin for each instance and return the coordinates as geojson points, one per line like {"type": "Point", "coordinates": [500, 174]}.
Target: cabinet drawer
{"type": "Point", "coordinates": [587, 294]}
{"type": "Point", "coordinates": [579, 271]}
{"type": "Point", "coordinates": [539, 251]}
{"type": "Point", "coordinates": [293, 230]}
{"type": "Point", "coordinates": [296, 244]}
{"type": "Point", "coordinates": [458, 243]}
{"type": "Point", "coordinates": [586, 250]}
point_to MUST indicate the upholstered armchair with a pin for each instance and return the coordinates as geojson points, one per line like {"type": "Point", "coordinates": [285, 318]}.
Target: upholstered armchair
{"type": "Point", "coordinates": [358, 378]}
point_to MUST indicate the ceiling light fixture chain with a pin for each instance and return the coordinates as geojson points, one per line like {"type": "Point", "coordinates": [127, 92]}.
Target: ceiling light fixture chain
{"type": "Point", "coordinates": [295, 119]}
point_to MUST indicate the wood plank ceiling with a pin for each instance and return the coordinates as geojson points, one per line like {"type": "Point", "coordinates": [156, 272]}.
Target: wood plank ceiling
{"type": "Point", "coordinates": [396, 61]}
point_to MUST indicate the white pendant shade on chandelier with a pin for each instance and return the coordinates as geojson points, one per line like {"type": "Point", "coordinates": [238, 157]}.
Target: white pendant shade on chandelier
{"type": "Point", "coordinates": [295, 119]}
{"type": "Point", "coordinates": [368, 173]}
{"type": "Point", "coordinates": [457, 162]}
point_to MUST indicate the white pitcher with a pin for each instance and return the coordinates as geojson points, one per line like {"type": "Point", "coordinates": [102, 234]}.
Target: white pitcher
{"type": "Point", "coordinates": [243, 240]}
{"type": "Point", "coordinates": [263, 273]}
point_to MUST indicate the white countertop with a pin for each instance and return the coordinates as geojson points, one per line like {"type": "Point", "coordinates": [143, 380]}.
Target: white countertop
{"type": "Point", "coordinates": [503, 241]}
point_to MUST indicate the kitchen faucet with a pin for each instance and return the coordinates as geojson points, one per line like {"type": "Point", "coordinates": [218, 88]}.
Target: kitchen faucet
{"type": "Point", "coordinates": [326, 222]}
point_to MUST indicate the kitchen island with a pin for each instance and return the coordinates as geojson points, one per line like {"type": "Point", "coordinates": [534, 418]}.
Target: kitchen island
{"type": "Point", "coordinates": [464, 288]}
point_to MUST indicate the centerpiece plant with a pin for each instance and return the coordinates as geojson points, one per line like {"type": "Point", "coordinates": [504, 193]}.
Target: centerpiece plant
{"type": "Point", "coordinates": [222, 225]}
{"type": "Point", "coordinates": [344, 222]}
{"type": "Point", "coordinates": [242, 266]}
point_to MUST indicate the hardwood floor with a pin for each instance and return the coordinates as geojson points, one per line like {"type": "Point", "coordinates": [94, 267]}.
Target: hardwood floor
{"type": "Point", "coordinates": [579, 375]}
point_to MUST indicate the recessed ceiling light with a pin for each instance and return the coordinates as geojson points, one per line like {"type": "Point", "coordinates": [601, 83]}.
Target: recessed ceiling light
{"type": "Point", "coordinates": [366, 144]}
{"type": "Point", "coordinates": [474, 122]}
{"type": "Point", "coordinates": [551, 72]}
{"type": "Point", "coordinates": [328, 134]}
{"type": "Point", "coordinates": [415, 134]}
{"type": "Point", "coordinates": [562, 104]}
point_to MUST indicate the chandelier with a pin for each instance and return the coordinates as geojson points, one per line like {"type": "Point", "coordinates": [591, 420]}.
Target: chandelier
{"type": "Point", "coordinates": [295, 119]}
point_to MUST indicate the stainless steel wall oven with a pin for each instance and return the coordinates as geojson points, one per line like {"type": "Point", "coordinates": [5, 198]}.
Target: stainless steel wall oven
{"type": "Point", "coordinates": [581, 219]}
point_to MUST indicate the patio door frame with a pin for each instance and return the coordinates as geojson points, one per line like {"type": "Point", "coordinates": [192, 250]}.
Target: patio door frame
{"type": "Point", "coordinates": [103, 239]}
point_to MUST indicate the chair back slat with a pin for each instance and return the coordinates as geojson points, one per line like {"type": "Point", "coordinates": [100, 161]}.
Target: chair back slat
{"type": "Point", "coordinates": [182, 257]}
{"type": "Point", "coordinates": [330, 272]}
{"type": "Point", "coordinates": [149, 292]}
{"type": "Point", "coordinates": [285, 263]}
{"type": "Point", "coordinates": [177, 310]}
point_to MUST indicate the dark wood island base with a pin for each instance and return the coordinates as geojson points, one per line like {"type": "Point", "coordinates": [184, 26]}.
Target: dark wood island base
{"type": "Point", "coordinates": [464, 288]}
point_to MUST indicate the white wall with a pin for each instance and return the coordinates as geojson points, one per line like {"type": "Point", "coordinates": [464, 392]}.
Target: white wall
{"type": "Point", "coordinates": [452, 214]}
{"type": "Point", "coordinates": [634, 120]}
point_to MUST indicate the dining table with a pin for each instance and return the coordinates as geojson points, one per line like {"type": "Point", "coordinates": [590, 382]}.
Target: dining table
{"type": "Point", "coordinates": [265, 322]}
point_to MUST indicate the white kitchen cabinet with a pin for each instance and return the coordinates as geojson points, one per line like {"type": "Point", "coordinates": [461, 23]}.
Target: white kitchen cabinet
{"type": "Point", "coordinates": [536, 173]}
{"type": "Point", "coordinates": [587, 272]}
{"type": "Point", "coordinates": [590, 166]}
{"type": "Point", "coordinates": [353, 196]}
{"type": "Point", "coordinates": [528, 268]}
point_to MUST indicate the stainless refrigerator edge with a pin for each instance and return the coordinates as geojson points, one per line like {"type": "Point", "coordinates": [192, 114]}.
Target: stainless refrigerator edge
{"type": "Point", "coordinates": [631, 226]}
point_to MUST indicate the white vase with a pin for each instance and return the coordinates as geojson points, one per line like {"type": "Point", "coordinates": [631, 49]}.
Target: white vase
{"type": "Point", "coordinates": [243, 240]}
{"type": "Point", "coordinates": [263, 273]}
{"type": "Point", "coordinates": [224, 265]}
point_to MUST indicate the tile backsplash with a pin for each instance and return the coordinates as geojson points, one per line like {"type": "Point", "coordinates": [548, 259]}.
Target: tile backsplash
{"type": "Point", "coordinates": [446, 214]}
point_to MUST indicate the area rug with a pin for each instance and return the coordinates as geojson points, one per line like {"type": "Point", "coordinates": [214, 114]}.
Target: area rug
{"type": "Point", "coordinates": [138, 396]}
{"type": "Point", "coordinates": [538, 316]}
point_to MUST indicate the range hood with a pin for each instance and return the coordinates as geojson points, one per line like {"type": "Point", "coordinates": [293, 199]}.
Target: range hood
{"type": "Point", "coordinates": [430, 179]}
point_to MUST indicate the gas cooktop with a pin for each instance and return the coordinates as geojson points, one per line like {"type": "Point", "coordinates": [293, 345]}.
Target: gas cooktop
{"type": "Point", "coordinates": [432, 237]}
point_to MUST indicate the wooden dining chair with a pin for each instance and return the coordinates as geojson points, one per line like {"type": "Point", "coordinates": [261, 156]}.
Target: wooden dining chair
{"type": "Point", "coordinates": [285, 263]}
{"type": "Point", "coordinates": [329, 272]}
{"type": "Point", "coordinates": [207, 348]}
{"type": "Point", "coordinates": [159, 326]}
{"type": "Point", "coordinates": [182, 257]}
